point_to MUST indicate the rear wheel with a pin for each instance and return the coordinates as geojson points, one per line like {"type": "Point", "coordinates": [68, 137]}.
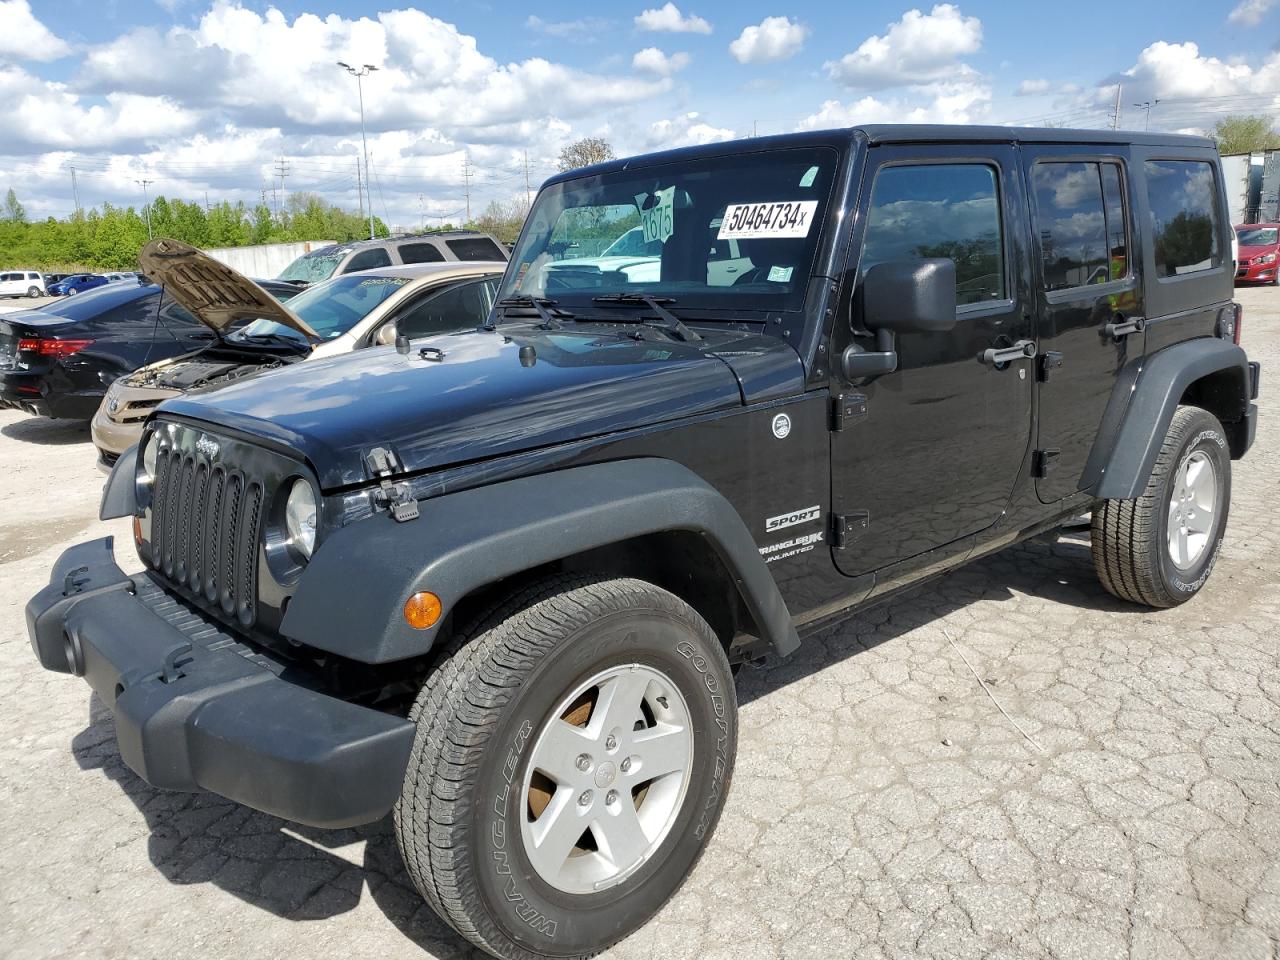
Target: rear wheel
{"type": "Point", "coordinates": [573, 754]}
{"type": "Point", "coordinates": [33, 292]}
{"type": "Point", "coordinates": [1159, 549]}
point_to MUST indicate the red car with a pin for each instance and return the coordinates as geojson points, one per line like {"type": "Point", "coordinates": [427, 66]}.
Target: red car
{"type": "Point", "coordinates": [1259, 253]}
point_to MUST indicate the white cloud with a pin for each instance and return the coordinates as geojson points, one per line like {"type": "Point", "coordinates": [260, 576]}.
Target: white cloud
{"type": "Point", "coordinates": [688, 129]}
{"type": "Point", "coordinates": [1250, 12]}
{"type": "Point", "coordinates": [586, 29]}
{"type": "Point", "coordinates": [773, 39]}
{"type": "Point", "coordinates": [654, 61]}
{"type": "Point", "coordinates": [917, 49]}
{"type": "Point", "coordinates": [669, 19]}
{"type": "Point", "coordinates": [966, 100]}
{"type": "Point", "coordinates": [23, 37]}
{"type": "Point", "coordinates": [1030, 88]}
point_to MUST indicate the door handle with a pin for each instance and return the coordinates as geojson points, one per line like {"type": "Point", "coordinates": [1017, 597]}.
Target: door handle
{"type": "Point", "coordinates": [999, 356]}
{"type": "Point", "coordinates": [1122, 326]}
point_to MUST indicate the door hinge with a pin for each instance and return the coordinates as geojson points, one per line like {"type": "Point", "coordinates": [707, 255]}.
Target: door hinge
{"type": "Point", "coordinates": [848, 527]}
{"type": "Point", "coordinates": [1046, 363]}
{"type": "Point", "coordinates": [1043, 461]}
{"type": "Point", "coordinates": [846, 408]}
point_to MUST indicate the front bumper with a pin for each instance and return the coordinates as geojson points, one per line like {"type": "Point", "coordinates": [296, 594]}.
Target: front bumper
{"type": "Point", "coordinates": [1257, 272]}
{"type": "Point", "coordinates": [196, 709]}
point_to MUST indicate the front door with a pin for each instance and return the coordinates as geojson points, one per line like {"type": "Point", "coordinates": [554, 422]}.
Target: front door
{"type": "Point", "coordinates": [938, 450]}
{"type": "Point", "coordinates": [1090, 302]}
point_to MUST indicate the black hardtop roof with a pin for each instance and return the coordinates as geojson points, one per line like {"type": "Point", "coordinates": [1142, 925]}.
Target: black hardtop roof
{"type": "Point", "coordinates": [884, 133]}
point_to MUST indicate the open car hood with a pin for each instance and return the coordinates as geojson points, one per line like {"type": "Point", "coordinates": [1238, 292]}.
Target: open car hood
{"type": "Point", "coordinates": [214, 293]}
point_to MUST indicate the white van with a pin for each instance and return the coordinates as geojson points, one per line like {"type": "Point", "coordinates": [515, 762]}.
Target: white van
{"type": "Point", "coordinates": [21, 283]}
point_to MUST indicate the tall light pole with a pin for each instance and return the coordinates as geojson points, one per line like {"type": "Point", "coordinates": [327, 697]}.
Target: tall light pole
{"type": "Point", "coordinates": [146, 204]}
{"type": "Point", "coordinates": [360, 74]}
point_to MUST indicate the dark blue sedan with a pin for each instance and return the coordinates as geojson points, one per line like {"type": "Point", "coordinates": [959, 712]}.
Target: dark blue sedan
{"type": "Point", "coordinates": [76, 282]}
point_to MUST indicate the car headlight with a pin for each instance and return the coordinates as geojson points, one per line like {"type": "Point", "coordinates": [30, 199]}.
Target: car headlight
{"type": "Point", "coordinates": [300, 518]}
{"type": "Point", "coordinates": [1267, 258]}
{"type": "Point", "coordinates": [149, 459]}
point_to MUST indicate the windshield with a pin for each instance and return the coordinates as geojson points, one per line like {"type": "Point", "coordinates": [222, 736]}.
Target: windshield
{"type": "Point", "coordinates": [729, 232]}
{"type": "Point", "coordinates": [331, 308]}
{"type": "Point", "coordinates": [314, 267]}
{"type": "Point", "coordinates": [1258, 236]}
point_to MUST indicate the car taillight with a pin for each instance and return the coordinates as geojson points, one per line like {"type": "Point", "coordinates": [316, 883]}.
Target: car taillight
{"type": "Point", "coordinates": [52, 348]}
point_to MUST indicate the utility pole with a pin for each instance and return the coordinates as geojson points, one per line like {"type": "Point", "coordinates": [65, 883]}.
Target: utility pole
{"type": "Point", "coordinates": [1146, 105]}
{"type": "Point", "coordinates": [282, 171]}
{"type": "Point", "coordinates": [422, 203]}
{"type": "Point", "coordinates": [146, 203]}
{"type": "Point", "coordinates": [360, 74]}
{"type": "Point", "coordinates": [75, 192]}
{"type": "Point", "coordinates": [466, 181]}
{"type": "Point", "coordinates": [1115, 116]}
{"type": "Point", "coordinates": [528, 193]}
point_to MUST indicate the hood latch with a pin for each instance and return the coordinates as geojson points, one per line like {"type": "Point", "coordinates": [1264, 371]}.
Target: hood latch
{"type": "Point", "coordinates": [396, 496]}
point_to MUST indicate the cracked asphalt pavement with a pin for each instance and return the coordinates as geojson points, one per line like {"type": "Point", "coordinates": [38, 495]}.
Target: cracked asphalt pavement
{"type": "Point", "coordinates": [882, 805]}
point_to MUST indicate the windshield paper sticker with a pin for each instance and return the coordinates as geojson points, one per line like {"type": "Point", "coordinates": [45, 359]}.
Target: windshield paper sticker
{"type": "Point", "coordinates": [746, 221]}
{"type": "Point", "coordinates": [659, 220]}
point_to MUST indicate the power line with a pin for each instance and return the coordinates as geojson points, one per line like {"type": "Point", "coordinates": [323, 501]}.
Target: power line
{"type": "Point", "coordinates": [466, 181]}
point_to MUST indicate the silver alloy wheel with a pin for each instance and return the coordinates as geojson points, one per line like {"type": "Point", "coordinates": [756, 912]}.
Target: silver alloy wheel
{"type": "Point", "coordinates": [606, 778]}
{"type": "Point", "coordinates": [1192, 508]}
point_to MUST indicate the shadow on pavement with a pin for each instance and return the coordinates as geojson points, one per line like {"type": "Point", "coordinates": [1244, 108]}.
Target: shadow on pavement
{"type": "Point", "coordinates": [292, 871]}
{"type": "Point", "coordinates": [301, 873]}
{"type": "Point", "coordinates": [48, 432]}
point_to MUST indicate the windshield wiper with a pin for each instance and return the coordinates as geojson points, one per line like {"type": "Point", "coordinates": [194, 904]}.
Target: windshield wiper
{"type": "Point", "coordinates": [271, 338]}
{"type": "Point", "coordinates": [666, 319]}
{"type": "Point", "coordinates": [541, 304]}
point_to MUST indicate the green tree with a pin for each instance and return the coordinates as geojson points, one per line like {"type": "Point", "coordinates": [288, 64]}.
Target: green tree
{"type": "Point", "coordinates": [13, 210]}
{"type": "Point", "coordinates": [1245, 134]}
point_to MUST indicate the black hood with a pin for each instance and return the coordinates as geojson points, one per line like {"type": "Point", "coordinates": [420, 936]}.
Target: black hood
{"type": "Point", "coordinates": [492, 393]}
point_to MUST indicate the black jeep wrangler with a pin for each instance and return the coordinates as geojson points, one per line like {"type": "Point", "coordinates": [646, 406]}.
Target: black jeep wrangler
{"type": "Point", "coordinates": [496, 583]}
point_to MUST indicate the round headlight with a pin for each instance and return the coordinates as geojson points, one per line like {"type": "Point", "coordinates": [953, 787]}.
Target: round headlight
{"type": "Point", "coordinates": [300, 518]}
{"type": "Point", "coordinates": [149, 459]}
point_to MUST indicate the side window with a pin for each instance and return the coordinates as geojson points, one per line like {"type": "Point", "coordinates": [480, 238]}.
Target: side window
{"type": "Point", "coordinates": [1182, 197]}
{"type": "Point", "coordinates": [368, 260]}
{"type": "Point", "coordinates": [940, 210]}
{"type": "Point", "coordinates": [420, 253]}
{"type": "Point", "coordinates": [475, 248]}
{"type": "Point", "coordinates": [1081, 225]}
{"type": "Point", "coordinates": [457, 308]}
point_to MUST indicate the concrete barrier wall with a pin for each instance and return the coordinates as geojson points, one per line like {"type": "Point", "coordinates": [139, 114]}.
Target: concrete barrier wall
{"type": "Point", "coordinates": [266, 260]}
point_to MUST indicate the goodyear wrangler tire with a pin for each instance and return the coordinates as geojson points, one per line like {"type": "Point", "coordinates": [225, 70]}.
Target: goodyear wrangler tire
{"type": "Point", "coordinates": [1159, 549]}
{"type": "Point", "coordinates": [574, 750]}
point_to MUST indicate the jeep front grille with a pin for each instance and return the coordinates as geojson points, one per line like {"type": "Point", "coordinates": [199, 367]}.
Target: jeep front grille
{"type": "Point", "coordinates": [206, 524]}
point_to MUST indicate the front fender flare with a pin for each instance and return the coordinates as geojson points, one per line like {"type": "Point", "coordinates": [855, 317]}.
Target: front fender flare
{"type": "Point", "coordinates": [351, 596]}
{"type": "Point", "coordinates": [1159, 389]}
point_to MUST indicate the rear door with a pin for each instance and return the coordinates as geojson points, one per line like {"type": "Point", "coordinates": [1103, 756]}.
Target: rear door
{"type": "Point", "coordinates": [1089, 302]}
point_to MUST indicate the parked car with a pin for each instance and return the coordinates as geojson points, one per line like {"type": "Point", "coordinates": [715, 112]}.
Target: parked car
{"type": "Point", "coordinates": [336, 316]}
{"type": "Point", "coordinates": [1259, 253]}
{"type": "Point", "coordinates": [22, 283]}
{"type": "Point", "coordinates": [76, 283]}
{"type": "Point", "coordinates": [59, 360]}
{"type": "Point", "coordinates": [124, 277]}
{"type": "Point", "coordinates": [51, 278]}
{"type": "Point", "coordinates": [444, 247]}
{"type": "Point", "coordinates": [640, 261]}
{"type": "Point", "coordinates": [494, 586]}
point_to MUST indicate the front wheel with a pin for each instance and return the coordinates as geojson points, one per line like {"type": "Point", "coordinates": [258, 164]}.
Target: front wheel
{"type": "Point", "coordinates": [1159, 549]}
{"type": "Point", "coordinates": [71, 291]}
{"type": "Point", "coordinates": [573, 754]}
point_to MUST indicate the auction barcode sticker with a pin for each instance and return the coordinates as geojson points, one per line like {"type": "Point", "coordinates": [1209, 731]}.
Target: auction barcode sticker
{"type": "Point", "coordinates": [789, 218]}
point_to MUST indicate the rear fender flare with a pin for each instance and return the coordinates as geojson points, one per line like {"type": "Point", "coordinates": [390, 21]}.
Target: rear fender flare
{"type": "Point", "coordinates": [1159, 389]}
{"type": "Point", "coordinates": [351, 597]}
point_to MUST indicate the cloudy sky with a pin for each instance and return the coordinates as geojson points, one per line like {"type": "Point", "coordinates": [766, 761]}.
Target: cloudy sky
{"type": "Point", "coordinates": [207, 98]}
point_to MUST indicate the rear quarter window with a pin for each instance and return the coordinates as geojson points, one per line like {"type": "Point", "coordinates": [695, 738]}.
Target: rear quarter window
{"type": "Point", "coordinates": [475, 248]}
{"type": "Point", "coordinates": [419, 253]}
{"type": "Point", "coordinates": [1185, 222]}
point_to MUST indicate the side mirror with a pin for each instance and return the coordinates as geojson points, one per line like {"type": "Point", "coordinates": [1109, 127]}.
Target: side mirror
{"type": "Point", "coordinates": [901, 296]}
{"type": "Point", "coordinates": [910, 296]}
{"type": "Point", "coordinates": [386, 335]}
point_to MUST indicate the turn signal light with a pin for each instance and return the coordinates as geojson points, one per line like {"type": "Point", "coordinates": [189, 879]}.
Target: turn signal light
{"type": "Point", "coordinates": [422, 610]}
{"type": "Point", "coordinates": [52, 348]}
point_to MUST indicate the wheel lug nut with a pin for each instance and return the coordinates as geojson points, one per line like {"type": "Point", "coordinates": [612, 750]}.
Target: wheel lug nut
{"type": "Point", "coordinates": [625, 766]}
{"type": "Point", "coordinates": [611, 742]}
{"type": "Point", "coordinates": [584, 762]}
{"type": "Point", "coordinates": [611, 797]}
{"type": "Point", "coordinates": [585, 799]}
